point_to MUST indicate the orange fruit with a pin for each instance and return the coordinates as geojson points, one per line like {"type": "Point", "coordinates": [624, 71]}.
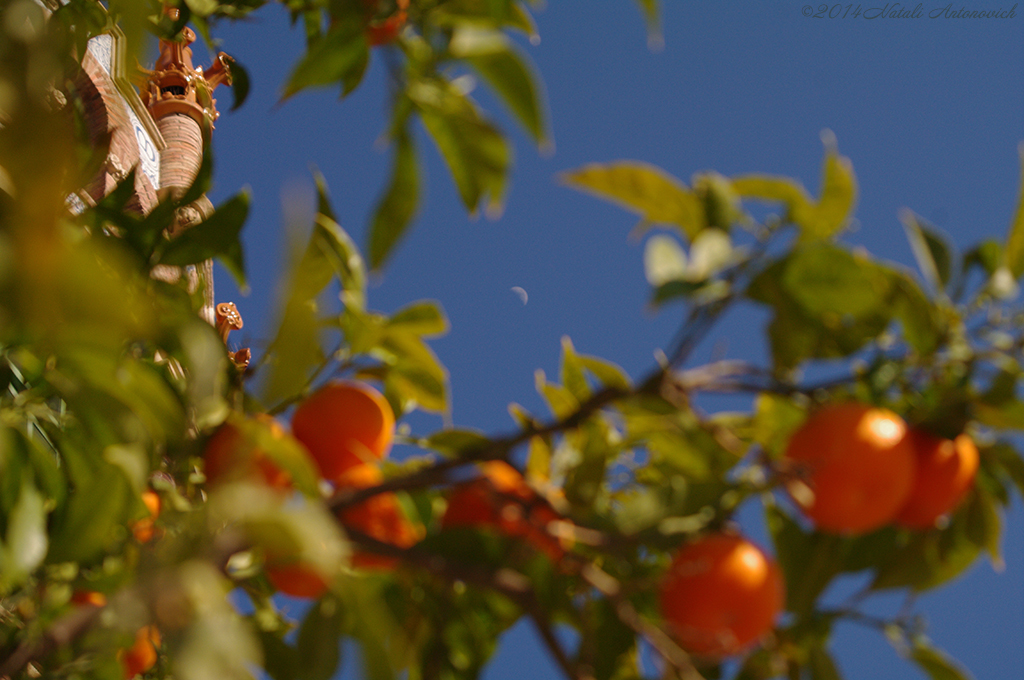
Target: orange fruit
{"type": "Point", "coordinates": [502, 499]}
{"type": "Point", "coordinates": [296, 579]}
{"type": "Point", "coordinates": [229, 456]}
{"type": "Point", "coordinates": [141, 656]}
{"type": "Point", "coordinates": [379, 517]}
{"type": "Point", "coordinates": [855, 467]}
{"type": "Point", "coordinates": [344, 424]}
{"type": "Point", "coordinates": [720, 595]}
{"type": "Point", "coordinates": [145, 529]}
{"type": "Point", "coordinates": [91, 598]}
{"type": "Point", "coordinates": [383, 27]}
{"type": "Point", "coordinates": [945, 472]}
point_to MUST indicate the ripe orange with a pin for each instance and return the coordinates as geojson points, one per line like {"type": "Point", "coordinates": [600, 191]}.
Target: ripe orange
{"type": "Point", "coordinates": [855, 465]}
{"type": "Point", "coordinates": [502, 499]}
{"type": "Point", "coordinates": [344, 424]}
{"type": "Point", "coordinates": [229, 456]}
{"type": "Point", "coordinates": [141, 656]}
{"type": "Point", "coordinates": [378, 517]}
{"type": "Point", "coordinates": [91, 598]}
{"type": "Point", "coordinates": [383, 27]}
{"type": "Point", "coordinates": [720, 595]}
{"type": "Point", "coordinates": [945, 472]}
{"type": "Point", "coordinates": [296, 579]}
{"type": "Point", "coordinates": [145, 529]}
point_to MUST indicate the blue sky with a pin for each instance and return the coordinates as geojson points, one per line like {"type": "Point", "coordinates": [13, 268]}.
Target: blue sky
{"type": "Point", "coordinates": [930, 111]}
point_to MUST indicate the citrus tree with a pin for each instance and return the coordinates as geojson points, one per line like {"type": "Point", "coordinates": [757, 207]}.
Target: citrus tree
{"type": "Point", "coordinates": [157, 500]}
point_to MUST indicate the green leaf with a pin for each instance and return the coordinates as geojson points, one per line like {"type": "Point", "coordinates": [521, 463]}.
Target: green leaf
{"type": "Point", "coordinates": [916, 314]}
{"type": "Point", "coordinates": [809, 561]}
{"type": "Point", "coordinates": [775, 419]}
{"type": "Point", "coordinates": [505, 71]}
{"type": "Point", "coordinates": [339, 56]}
{"type": "Point", "coordinates": [398, 205]}
{"type": "Point", "coordinates": [239, 83]}
{"type": "Point", "coordinates": [930, 558]}
{"type": "Point", "coordinates": [937, 664]}
{"type": "Point", "coordinates": [457, 443]}
{"type": "Point", "coordinates": [280, 661]}
{"type": "Point", "coordinates": [931, 250]}
{"type": "Point", "coordinates": [476, 153]}
{"type": "Point", "coordinates": [420, 318]}
{"type": "Point", "coordinates": [560, 400]}
{"type": "Point", "coordinates": [658, 197]}
{"type": "Point", "coordinates": [1014, 251]}
{"type": "Point", "coordinates": [203, 8]}
{"type": "Point", "coordinates": [838, 193]}
{"type": "Point", "coordinates": [92, 516]}
{"type": "Point", "coordinates": [611, 375]}
{"type": "Point", "coordinates": [612, 639]}
{"type": "Point", "coordinates": [27, 539]}
{"type": "Point", "coordinates": [821, 665]}
{"type": "Point", "coordinates": [828, 302]}
{"type": "Point", "coordinates": [332, 244]}
{"type": "Point", "coordinates": [217, 236]}
{"type": "Point", "coordinates": [572, 372]}
{"type": "Point", "coordinates": [649, 8]}
{"type": "Point", "coordinates": [319, 642]}
{"type": "Point", "coordinates": [414, 371]}
{"type": "Point", "coordinates": [800, 207]}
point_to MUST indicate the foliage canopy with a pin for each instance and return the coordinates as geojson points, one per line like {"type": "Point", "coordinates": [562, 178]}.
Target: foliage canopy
{"type": "Point", "coordinates": [114, 387]}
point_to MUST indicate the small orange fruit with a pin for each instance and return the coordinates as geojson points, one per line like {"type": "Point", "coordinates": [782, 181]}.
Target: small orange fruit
{"type": "Point", "coordinates": [383, 27]}
{"type": "Point", "coordinates": [344, 424]}
{"type": "Point", "coordinates": [720, 595]}
{"type": "Point", "coordinates": [229, 455]}
{"type": "Point", "coordinates": [945, 472]}
{"type": "Point", "coordinates": [379, 517]}
{"type": "Point", "coordinates": [141, 656]}
{"type": "Point", "coordinates": [855, 467]}
{"type": "Point", "coordinates": [503, 500]}
{"type": "Point", "coordinates": [296, 579]}
{"type": "Point", "coordinates": [91, 598]}
{"type": "Point", "coordinates": [145, 529]}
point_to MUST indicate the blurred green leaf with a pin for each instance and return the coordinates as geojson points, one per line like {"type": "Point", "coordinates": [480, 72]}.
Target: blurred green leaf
{"type": "Point", "coordinates": [612, 639]}
{"type": "Point", "coordinates": [280, 661]}
{"type": "Point", "coordinates": [26, 534]}
{"type": "Point", "coordinates": [505, 71]}
{"type": "Point", "coordinates": [239, 83]}
{"type": "Point", "coordinates": [827, 302]}
{"type": "Point", "coordinates": [217, 236]}
{"type": "Point", "coordinates": [560, 400]}
{"type": "Point", "coordinates": [917, 315]}
{"type": "Point", "coordinates": [936, 663]}
{"type": "Point", "coordinates": [821, 665]}
{"type": "Point", "coordinates": [572, 372]}
{"type": "Point", "coordinates": [341, 55]}
{"type": "Point", "coordinates": [658, 197]}
{"type": "Point", "coordinates": [477, 154]}
{"type": "Point", "coordinates": [398, 205]}
{"type": "Point", "coordinates": [932, 252]}
{"type": "Point", "coordinates": [800, 207]}
{"type": "Point", "coordinates": [838, 193]}
{"type": "Point", "coordinates": [457, 443]}
{"type": "Point", "coordinates": [420, 318]}
{"type": "Point", "coordinates": [608, 373]}
{"type": "Point", "coordinates": [809, 561]}
{"type": "Point", "coordinates": [319, 641]}
{"type": "Point", "coordinates": [1014, 251]}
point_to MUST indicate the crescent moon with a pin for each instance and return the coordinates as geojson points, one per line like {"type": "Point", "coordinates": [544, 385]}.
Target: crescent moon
{"type": "Point", "coordinates": [521, 293]}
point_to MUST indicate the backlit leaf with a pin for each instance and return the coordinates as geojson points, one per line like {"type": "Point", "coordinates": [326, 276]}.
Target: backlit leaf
{"type": "Point", "coordinates": [398, 206]}
{"type": "Point", "coordinates": [1014, 251]}
{"type": "Point", "coordinates": [658, 197]}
